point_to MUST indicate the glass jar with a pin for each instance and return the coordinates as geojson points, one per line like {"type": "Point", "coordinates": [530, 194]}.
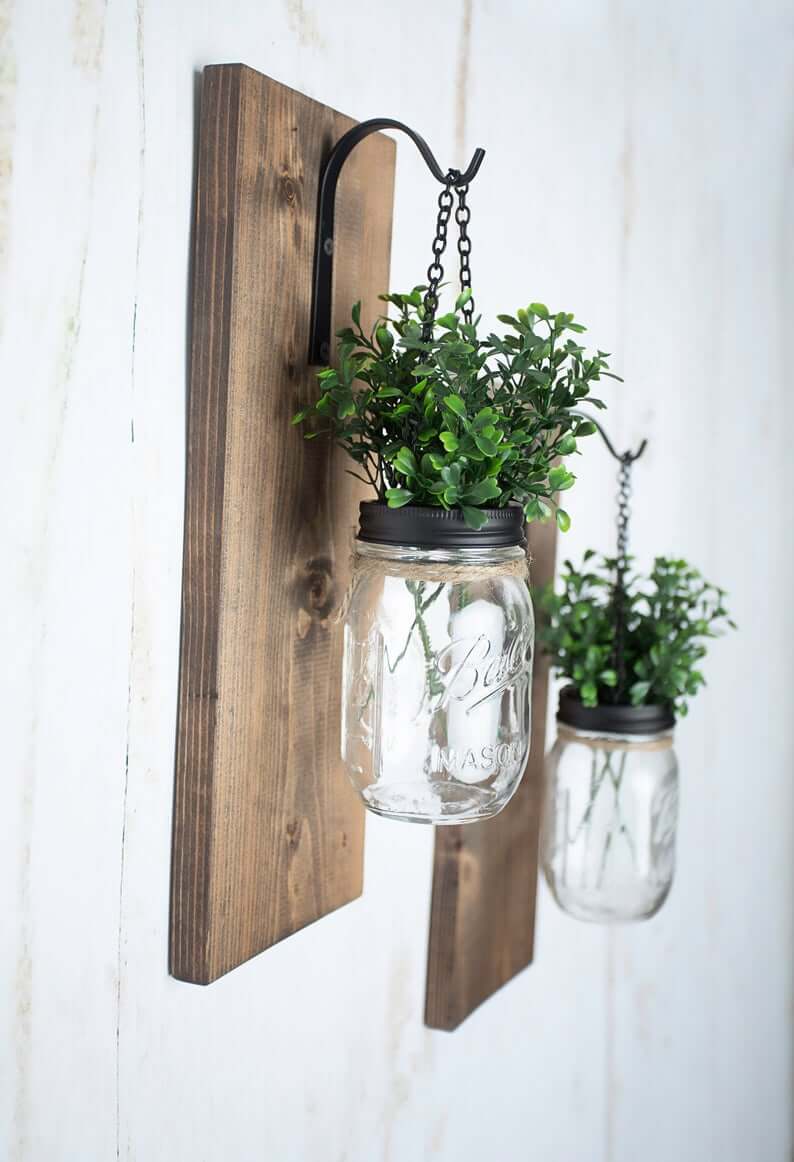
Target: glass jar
{"type": "Point", "coordinates": [439, 637]}
{"type": "Point", "coordinates": [611, 804]}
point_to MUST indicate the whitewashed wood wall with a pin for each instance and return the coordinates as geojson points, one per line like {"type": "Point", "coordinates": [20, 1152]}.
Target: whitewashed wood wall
{"type": "Point", "coordinates": [639, 172]}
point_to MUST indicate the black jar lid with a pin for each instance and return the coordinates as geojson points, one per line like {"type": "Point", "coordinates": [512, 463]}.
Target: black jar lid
{"type": "Point", "coordinates": [434, 527]}
{"type": "Point", "coordinates": [612, 719]}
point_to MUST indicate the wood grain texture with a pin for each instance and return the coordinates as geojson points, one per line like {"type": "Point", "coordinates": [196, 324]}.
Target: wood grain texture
{"type": "Point", "coordinates": [482, 916]}
{"type": "Point", "coordinates": [267, 834]}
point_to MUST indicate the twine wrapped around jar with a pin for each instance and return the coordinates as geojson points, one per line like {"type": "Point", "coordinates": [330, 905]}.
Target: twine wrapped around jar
{"type": "Point", "coordinates": [596, 743]}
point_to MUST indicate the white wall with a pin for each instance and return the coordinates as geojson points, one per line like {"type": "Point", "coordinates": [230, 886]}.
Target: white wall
{"type": "Point", "coordinates": [639, 172]}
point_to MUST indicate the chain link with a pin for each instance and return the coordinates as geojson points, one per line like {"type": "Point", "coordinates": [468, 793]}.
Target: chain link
{"type": "Point", "coordinates": [462, 217]}
{"type": "Point", "coordinates": [435, 271]}
{"type": "Point", "coordinates": [624, 512]}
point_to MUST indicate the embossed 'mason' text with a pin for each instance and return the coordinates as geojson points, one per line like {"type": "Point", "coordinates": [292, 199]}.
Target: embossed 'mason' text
{"type": "Point", "coordinates": [453, 761]}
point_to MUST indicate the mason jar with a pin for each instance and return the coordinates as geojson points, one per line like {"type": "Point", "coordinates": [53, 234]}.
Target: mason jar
{"type": "Point", "coordinates": [610, 811]}
{"type": "Point", "coordinates": [439, 638]}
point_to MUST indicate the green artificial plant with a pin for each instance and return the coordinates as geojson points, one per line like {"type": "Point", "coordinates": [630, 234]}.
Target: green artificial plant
{"type": "Point", "coordinates": [456, 420]}
{"type": "Point", "coordinates": [670, 615]}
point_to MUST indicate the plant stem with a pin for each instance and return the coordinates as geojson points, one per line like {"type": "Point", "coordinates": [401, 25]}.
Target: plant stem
{"type": "Point", "coordinates": [434, 686]}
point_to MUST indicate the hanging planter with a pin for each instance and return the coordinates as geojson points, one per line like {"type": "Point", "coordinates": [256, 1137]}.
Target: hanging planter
{"type": "Point", "coordinates": [610, 810]}
{"type": "Point", "coordinates": [462, 440]}
{"type": "Point", "coordinates": [438, 657]}
{"type": "Point", "coordinates": [630, 646]}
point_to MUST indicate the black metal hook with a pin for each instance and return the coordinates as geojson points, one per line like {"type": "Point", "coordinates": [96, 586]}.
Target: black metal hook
{"type": "Point", "coordinates": [624, 457]}
{"type": "Point", "coordinates": [320, 330]}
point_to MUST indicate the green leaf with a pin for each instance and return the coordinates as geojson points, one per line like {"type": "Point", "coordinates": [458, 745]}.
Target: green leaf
{"type": "Point", "coordinates": [449, 440]}
{"type": "Point", "coordinates": [385, 339]}
{"type": "Point", "coordinates": [448, 322]}
{"type": "Point", "coordinates": [405, 462]}
{"type": "Point", "coordinates": [563, 520]}
{"type": "Point", "coordinates": [455, 404]}
{"type": "Point", "coordinates": [486, 446]}
{"type": "Point", "coordinates": [560, 478]}
{"type": "Point", "coordinates": [397, 497]}
{"type": "Point", "coordinates": [463, 298]}
{"type": "Point", "coordinates": [475, 518]}
{"type": "Point", "coordinates": [539, 309]}
{"type": "Point", "coordinates": [482, 491]}
{"type": "Point", "coordinates": [300, 416]}
{"type": "Point", "coordinates": [356, 313]}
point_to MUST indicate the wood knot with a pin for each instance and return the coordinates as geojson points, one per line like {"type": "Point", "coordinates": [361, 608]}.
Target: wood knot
{"type": "Point", "coordinates": [316, 588]}
{"type": "Point", "coordinates": [320, 584]}
{"type": "Point", "coordinates": [293, 830]}
{"type": "Point", "coordinates": [289, 190]}
{"type": "Point", "coordinates": [314, 595]}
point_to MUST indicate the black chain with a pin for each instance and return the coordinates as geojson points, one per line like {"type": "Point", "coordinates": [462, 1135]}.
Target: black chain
{"type": "Point", "coordinates": [620, 603]}
{"type": "Point", "coordinates": [624, 511]}
{"type": "Point", "coordinates": [462, 217]}
{"type": "Point", "coordinates": [435, 271]}
{"type": "Point", "coordinates": [621, 568]}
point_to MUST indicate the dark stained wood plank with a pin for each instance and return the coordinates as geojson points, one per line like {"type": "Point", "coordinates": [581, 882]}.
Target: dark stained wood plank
{"type": "Point", "coordinates": [482, 916]}
{"type": "Point", "coordinates": [267, 834]}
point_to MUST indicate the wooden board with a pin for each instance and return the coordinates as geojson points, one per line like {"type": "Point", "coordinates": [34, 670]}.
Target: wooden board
{"type": "Point", "coordinates": [482, 916]}
{"type": "Point", "coordinates": [267, 833]}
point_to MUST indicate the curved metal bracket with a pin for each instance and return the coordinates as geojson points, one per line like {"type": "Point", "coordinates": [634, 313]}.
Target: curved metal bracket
{"type": "Point", "coordinates": [320, 330]}
{"type": "Point", "coordinates": [624, 457]}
